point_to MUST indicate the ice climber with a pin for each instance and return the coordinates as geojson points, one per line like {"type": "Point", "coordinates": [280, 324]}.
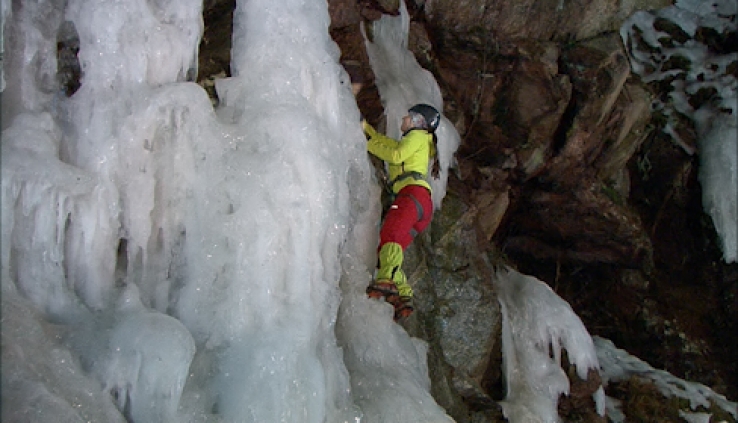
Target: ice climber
{"type": "Point", "coordinates": [412, 209]}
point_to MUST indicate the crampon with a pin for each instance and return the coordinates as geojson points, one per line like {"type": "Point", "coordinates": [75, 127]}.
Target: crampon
{"type": "Point", "coordinates": [387, 290]}
{"type": "Point", "coordinates": [383, 289]}
{"type": "Point", "coordinates": [403, 307]}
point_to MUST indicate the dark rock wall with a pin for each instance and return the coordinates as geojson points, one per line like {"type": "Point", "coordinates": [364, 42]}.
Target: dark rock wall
{"type": "Point", "coordinates": [563, 174]}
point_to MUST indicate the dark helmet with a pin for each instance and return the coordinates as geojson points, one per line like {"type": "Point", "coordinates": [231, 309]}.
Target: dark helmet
{"type": "Point", "coordinates": [429, 113]}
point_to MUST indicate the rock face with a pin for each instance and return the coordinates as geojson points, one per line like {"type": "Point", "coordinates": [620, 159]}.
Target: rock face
{"type": "Point", "coordinates": [561, 174]}
{"type": "Point", "coordinates": [528, 19]}
{"type": "Point", "coordinates": [457, 308]}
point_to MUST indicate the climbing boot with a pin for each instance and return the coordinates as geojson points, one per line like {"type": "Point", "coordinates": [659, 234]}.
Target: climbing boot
{"type": "Point", "coordinates": [383, 288]}
{"type": "Point", "coordinates": [403, 307]}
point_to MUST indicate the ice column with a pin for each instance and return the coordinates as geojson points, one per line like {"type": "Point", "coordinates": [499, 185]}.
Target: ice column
{"type": "Point", "coordinates": [81, 176]}
{"type": "Point", "coordinates": [536, 326]}
{"type": "Point", "coordinates": [260, 292]}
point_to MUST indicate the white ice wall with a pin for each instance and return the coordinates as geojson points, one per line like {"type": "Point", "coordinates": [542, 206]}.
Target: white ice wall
{"type": "Point", "coordinates": [192, 259]}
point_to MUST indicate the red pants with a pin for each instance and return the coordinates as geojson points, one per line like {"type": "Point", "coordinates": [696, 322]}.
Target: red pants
{"type": "Point", "coordinates": [409, 215]}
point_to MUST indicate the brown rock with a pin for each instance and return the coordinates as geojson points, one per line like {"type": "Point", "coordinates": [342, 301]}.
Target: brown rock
{"type": "Point", "coordinates": [579, 405]}
{"type": "Point", "coordinates": [343, 13]}
{"type": "Point", "coordinates": [534, 19]}
{"type": "Point", "coordinates": [628, 131]}
{"type": "Point", "coordinates": [598, 75]}
{"type": "Point", "coordinates": [579, 224]}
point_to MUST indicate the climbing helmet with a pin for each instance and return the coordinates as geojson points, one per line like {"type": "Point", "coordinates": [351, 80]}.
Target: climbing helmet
{"type": "Point", "coordinates": [429, 113]}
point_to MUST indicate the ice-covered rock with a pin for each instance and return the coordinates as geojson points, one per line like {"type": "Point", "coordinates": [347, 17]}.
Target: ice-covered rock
{"type": "Point", "coordinates": [688, 51]}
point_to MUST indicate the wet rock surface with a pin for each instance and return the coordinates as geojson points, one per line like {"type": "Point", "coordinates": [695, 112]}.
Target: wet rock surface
{"type": "Point", "coordinates": [563, 173]}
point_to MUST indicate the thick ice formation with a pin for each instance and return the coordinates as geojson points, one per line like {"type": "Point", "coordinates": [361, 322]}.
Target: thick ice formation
{"type": "Point", "coordinates": [164, 261]}
{"type": "Point", "coordinates": [4, 11]}
{"type": "Point", "coordinates": [193, 260]}
{"type": "Point", "coordinates": [680, 46]}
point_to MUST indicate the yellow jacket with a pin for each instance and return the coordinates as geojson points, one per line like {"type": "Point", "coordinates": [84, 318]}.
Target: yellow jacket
{"type": "Point", "coordinates": [407, 158]}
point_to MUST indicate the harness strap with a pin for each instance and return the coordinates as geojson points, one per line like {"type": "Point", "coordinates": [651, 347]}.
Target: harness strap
{"type": "Point", "coordinates": [412, 174]}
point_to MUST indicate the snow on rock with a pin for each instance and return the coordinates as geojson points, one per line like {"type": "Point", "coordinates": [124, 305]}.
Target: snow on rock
{"type": "Point", "coordinates": [688, 52]}
{"type": "Point", "coordinates": [618, 365]}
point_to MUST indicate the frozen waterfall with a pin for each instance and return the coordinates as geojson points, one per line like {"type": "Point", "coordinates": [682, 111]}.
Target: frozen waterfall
{"type": "Point", "coordinates": [163, 260]}
{"type": "Point", "coordinates": [167, 261]}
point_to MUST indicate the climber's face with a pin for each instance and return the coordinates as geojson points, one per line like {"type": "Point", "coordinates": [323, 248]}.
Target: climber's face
{"type": "Point", "coordinates": [407, 124]}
